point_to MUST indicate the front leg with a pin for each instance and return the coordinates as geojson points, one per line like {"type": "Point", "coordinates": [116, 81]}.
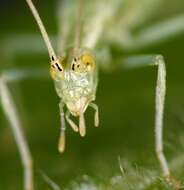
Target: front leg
{"type": "Point", "coordinates": [61, 146]}
{"type": "Point", "coordinates": [13, 45]}
{"type": "Point", "coordinates": [11, 114]}
{"type": "Point", "coordinates": [9, 108]}
{"type": "Point", "coordinates": [95, 107]}
{"type": "Point", "coordinates": [156, 60]}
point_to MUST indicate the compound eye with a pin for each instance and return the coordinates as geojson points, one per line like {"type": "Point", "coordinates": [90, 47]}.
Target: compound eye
{"type": "Point", "coordinates": [56, 70]}
{"type": "Point", "coordinates": [85, 63]}
{"type": "Point", "coordinates": [88, 61]}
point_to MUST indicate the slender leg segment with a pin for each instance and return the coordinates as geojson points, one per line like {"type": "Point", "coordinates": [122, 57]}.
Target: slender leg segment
{"type": "Point", "coordinates": [14, 45]}
{"type": "Point", "coordinates": [12, 116]}
{"type": "Point", "coordinates": [61, 146]}
{"type": "Point", "coordinates": [157, 60]}
{"type": "Point", "coordinates": [95, 107]}
{"type": "Point", "coordinates": [71, 123]}
{"type": "Point", "coordinates": [49, 181]}
{"type": "Point", "coordinates": [160, 98]}
{"type": "Point", "coordinates": [151, 35]}
{"type": "Point", "coordinates": [82, 125]}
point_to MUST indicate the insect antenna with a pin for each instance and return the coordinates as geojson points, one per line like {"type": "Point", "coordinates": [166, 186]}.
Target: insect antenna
{"type": "Point", "coordinates": [78, 30]}
{"type": "Point", "coordinates": [43, 31]}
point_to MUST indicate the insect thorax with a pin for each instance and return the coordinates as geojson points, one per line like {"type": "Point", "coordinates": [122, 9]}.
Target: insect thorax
{"type": "Point", "coordinates": [76, 85]}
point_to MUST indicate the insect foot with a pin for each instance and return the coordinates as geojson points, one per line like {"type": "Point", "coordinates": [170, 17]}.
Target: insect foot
{"type": "Point", "coordinates": [174, 183]}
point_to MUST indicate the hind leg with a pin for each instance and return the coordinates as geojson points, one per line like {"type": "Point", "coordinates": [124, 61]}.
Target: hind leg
{"type": "Point", "coordinates": [156, 60]}
{"type": "Point", "coordinates": [12, 116]}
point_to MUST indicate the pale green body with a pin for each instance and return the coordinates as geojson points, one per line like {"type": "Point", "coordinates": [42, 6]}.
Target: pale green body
{"type": "Point", "coordinates": [77, 90]}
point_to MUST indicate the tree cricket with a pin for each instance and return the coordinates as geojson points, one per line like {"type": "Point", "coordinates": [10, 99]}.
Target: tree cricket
{"type": "Point", "coordinates": [74, 69]}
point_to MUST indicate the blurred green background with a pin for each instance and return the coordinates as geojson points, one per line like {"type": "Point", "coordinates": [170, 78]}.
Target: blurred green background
{"type": "Point", "coordinates": [126, 103]}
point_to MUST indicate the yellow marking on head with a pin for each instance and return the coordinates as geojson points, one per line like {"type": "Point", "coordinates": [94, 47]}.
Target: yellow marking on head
{"type": "Point", "coordinates": [89, 61]}
{"type": "Point", "coordinates": [56, 70]}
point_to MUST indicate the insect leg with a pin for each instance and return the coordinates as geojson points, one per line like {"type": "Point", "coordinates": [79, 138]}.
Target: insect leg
{"type": "Point", "coordinates": [71, 123]}
{"type": "Point", "coordinates": [15, 75]}
{"type": "Point", "coordinates": [151, 35]}
{"type": "Point", "coordinates": [136, 61]}
{"type": "Point", "coordinates": [65, 11]}
{"type": "Point", "coordinates": [13, 45]}
{"type": "Point", "coordinates": [10, 111]}
{"type": "Point", "coordinates": [10, 76]}
{"type": "Point", "coordinates": [156, 60]}
{"type": "Point", "coordinates": [82, 125]}
{"type": "Point", "coordinates": [95, 107]}
{"type": "Point", "coordinates": [49, 181]}
{"type": "Point", "coordinates": [61, 146]}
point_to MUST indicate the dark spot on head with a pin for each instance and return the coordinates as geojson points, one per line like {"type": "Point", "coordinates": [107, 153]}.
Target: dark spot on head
{"type": "Point", "coordinates": [75, 59]}
{"type": "Point", "coordinates": [73, 67]}
{"type": "Point", "coordinates": [59, 68]}
{"type": "Point", "coordinates": [87, 63]}
{"type": "Point", "coordinates": [78, 66]}
{"type": "Point", "coordinates": [52, 58]}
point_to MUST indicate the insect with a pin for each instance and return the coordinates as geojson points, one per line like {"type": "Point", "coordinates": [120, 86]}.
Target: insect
{"type": "Point", "coordinates": [75, 70]}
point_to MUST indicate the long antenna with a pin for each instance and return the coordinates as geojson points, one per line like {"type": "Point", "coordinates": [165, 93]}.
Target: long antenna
{"type": "Point", "coordinates": [79, 24]}
{"type": "Point", "coordinates": [43, 31]}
